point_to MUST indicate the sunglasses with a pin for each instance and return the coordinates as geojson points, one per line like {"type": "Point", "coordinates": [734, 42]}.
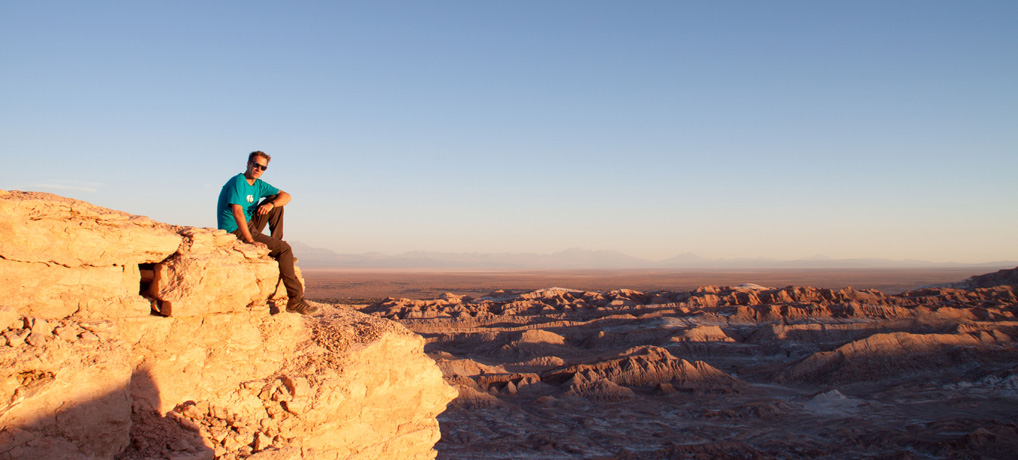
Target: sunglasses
{"type": "Point", "coordinates": [259, 166]}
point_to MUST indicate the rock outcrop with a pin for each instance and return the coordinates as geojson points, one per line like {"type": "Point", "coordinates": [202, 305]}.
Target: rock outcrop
{"type": "Point", "coordinates": [989, 280]}
{"type": "Point", "coordinates": [61, 257]}
{"type": "Point", "coordinates": [125, 338]}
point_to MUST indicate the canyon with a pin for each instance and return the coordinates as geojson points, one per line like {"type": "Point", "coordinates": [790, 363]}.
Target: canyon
{"type": "Point", "coordinates": [743, 371]}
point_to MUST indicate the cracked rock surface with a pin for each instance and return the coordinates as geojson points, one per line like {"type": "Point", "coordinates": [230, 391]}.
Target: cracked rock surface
{"type": "Point", "coordinates": [123, 338]}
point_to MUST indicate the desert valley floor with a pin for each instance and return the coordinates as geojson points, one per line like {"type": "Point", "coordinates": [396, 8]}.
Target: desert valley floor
{"type": "Point", "coordinates": [668, 365]}
{"type": "Point", "coordinates": [355, 285]}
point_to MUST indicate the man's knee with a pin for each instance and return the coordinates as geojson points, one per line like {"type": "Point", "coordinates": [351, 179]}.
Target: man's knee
{"type": "Point", "coordinates": [277, 247]}
{"type": "Point", "coordinates": [276, 213]}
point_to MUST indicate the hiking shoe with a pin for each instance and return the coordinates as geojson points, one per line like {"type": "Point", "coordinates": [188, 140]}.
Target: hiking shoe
{"type": "Point", "coordinates": [301, 307]}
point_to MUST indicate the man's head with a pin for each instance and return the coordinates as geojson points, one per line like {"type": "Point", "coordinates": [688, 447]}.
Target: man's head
{"type": "Point", "coordinates": [257, 163]}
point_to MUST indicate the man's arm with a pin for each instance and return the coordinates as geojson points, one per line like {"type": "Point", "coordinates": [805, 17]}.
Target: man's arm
{"type": "Point", "coordinates": [278, 201]}
{"type": "Point", "coordinates": [238, 215]}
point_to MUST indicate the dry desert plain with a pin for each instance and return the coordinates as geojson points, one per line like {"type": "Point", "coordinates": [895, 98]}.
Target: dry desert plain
{"type": "Point", "coordinates": [358, 285]}
{"type": "Point", "coordinates": [711, 364]}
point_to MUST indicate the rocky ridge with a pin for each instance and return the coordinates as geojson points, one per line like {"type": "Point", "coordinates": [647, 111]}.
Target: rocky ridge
{"type": "Point", "coordinates": [125, 338]}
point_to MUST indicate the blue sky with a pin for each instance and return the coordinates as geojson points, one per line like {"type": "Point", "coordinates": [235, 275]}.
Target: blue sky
{"type": "Point", "coordinates": [728, 129]}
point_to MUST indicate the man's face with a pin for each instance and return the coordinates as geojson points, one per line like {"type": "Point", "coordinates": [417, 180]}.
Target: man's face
{"type": "Point", "coordinates": [256, 167]}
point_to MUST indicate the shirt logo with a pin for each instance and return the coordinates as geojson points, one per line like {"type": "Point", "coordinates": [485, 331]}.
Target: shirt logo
{"type": "Point", "coordinates": [250, 198]}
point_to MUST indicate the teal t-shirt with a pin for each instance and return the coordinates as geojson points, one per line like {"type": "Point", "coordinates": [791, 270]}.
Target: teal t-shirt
{"type": "Point", "coordinates": [238, 191]}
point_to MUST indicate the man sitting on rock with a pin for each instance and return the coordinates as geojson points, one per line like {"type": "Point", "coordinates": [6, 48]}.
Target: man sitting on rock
{"type": "Point", "coordinates": [242, 212]}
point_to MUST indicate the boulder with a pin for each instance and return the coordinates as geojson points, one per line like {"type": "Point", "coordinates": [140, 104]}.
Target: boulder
{"type": "Point", "coordinates": [213, 272]}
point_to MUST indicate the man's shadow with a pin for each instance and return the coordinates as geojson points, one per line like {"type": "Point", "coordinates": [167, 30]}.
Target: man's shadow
{"type": "Point", "coordinates": [121, 424]}
{"type": "Point", "coordinates": [154, 435]}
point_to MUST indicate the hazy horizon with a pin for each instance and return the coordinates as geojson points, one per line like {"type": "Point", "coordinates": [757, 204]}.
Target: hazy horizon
{"type": "Point", "coordinates": [579, 258]}
{"type": "Point", "coordinates": [728, 130]}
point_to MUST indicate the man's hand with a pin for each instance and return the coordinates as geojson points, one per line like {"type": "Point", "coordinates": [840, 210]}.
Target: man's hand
{"type": "Point", "coordinates": [266, 208]}
{"type": "Point", "coordinates": [258, 244]}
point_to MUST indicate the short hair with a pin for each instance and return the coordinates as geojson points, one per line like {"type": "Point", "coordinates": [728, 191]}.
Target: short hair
{"type": "Point", "coordinates": [259, 153]}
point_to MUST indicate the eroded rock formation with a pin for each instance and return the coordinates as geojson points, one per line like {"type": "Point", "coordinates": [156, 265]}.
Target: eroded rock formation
{"type": "Point", "coordinates": [727, 372]}
{"type": "Point", "coordinates": [125, 338]}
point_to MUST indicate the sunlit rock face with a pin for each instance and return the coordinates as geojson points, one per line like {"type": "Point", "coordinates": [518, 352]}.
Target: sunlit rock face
{"type": "Point", "coordinates": [60, 257]}
{"type": "Point", "coordinates": [213, 272]}
{"type": "Point", "coordinates": [125, 338]}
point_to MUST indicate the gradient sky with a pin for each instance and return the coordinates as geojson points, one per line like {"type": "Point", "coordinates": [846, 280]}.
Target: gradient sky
{"type": "Point", "coordinates": [780, 129]}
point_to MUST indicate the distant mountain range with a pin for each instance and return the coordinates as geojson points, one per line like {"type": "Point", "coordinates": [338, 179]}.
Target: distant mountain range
{"type": "Point", "coordinates": [575, 258]}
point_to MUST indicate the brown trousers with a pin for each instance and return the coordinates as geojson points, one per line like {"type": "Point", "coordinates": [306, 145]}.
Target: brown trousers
{"type": "Point", "coordinates": [278, 249]}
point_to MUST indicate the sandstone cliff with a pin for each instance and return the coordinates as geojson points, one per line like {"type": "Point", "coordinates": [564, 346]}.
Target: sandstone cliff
{"type": "Point", "coordinates": [125, 338]}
